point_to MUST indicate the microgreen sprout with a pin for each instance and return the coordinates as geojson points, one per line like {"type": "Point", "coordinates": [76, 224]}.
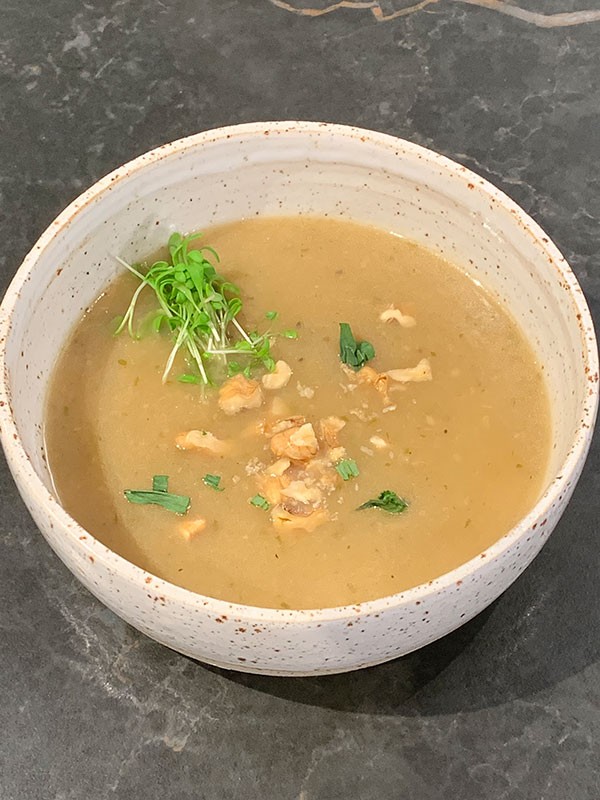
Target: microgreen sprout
{"type": "Point", "coordinates": [200, 308]}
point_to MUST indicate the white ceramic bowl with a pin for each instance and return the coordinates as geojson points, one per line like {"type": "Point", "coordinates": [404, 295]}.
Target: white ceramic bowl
{"type": "Point", "coordinates": [291, 168]}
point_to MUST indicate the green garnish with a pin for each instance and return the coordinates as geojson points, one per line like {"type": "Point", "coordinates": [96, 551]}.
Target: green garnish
{"type": "Point", "coordinates": [200, 308]}
{"type": "Point", "coordinates": [159, 496]}
{"type": "Point", "coordinates": [387, 501]}
{"type": "Point", "coordinates": [213, 481]}
{"type": "Point", "coordinates": [260, 502]}
{"type": "Point", "coordinates": [272, 314]}
{"type": "Point", "coordinates": [290, 334]}
{"type": "Point", "coordinates": [177, 503]}
{"type": "Point", "coordinates": [160, 483]}
{"type": "Point", "coordinates": [189, 378]}
{"type": "Point", "coordinates": [354, 354]}
{"type": "Point", "coordinates": [348, 468]}
{"type": "Point", "coordinates": [233, 368]}
{"type": "Point", "coordinates": [116, 323]}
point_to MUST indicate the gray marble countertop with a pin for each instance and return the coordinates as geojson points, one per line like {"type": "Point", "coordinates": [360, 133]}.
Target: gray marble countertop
{"type": "Point", "coordinates": [506, 708]}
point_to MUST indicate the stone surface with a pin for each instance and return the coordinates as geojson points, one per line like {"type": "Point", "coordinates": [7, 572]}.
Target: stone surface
{"type": "Point", "coordinates": [507, 708]}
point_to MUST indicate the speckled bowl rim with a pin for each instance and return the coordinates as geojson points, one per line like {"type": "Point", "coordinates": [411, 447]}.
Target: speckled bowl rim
{"type": "Point", "coordinates": [112, 561]}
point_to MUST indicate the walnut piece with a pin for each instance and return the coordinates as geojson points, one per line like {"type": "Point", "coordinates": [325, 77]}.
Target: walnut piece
{"type": "Point", "coordinates": [422, 372]}
{"type": "Point", "coordinates": [279, 378]}
{"type": "Point", "coordinates": [239, 393]}
{"type": "Point", "coordinates": [201, 440]}
{"type": "Point", "coordinates": [298, 443]}
{"type": "Point", "coordinates": [284, 521]}
{"type": "Point", "coordinates": [392, 313]}
{"type": "Point", "coordinates": [191, 528]}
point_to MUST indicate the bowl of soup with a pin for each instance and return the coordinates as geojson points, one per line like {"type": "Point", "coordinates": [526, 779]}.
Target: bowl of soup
{"type": "Point", "coordinates": [295, 398]}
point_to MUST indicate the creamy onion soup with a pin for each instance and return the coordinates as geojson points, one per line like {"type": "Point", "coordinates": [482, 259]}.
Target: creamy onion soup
{"type": "Point", "coordinates": [310, 413]}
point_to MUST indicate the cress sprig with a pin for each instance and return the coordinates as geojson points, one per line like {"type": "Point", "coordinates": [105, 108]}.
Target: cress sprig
{"type": "Point", "coordinates": [200, 308]}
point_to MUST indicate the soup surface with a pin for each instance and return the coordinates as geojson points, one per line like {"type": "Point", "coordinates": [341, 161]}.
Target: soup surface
{"type": "Point", "coordinates": [461, 433]}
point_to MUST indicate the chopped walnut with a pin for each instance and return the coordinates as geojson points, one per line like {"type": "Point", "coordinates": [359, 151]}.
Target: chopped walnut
{"type": "Point", "coordinates": [370, 376]}
{"type": "Point", "coordinates": [393, 313]}
{"type": "Point", "coordinates": [271, 486]}
{"type": "Point", "coordinates": [272, 480]}
{"type": "Point", "coordinates": [322, 473]}
{"type": "Point", "coordinates": [191, 528]}
{"type": "Point", "coordinates": [239, 393]}
{"type": "Point", "coordinates": [301, 497]}
{"type": "Point", "coordinates": [298, 483]}
{"type": "Point", "coordinates": [381, 380]}
{"type": "Point", "coordinates": [296, 443]}
{"type": "Point", "coordinates": [285, 521]}
{"type": "Point", "coordinates": [271, 428]}
{"type": "Point", "coordinates": [328, 428]}
{"type": "Point", "coordinates": [279, 378]}
{"type": "Point", "coordinates": [379, 442]}
{"type": "Point", "coordinates": [278, 467]}
{"type": "Point", "coordinates": [336, 454]}
{"type": "Point", "coordinates": [201, 440]}
{"type": "Point", "coordinates": [377, 379]}
{"type": "Point", "coordinates": [422, 372]}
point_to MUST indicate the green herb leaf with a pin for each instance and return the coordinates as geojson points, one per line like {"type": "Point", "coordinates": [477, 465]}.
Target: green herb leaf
{"type": "Point", "coordinates": [348, 468]}
{"type": "Point", "coordinates": [213, 481]}
{"type": "Point", "coordinates": [353, 353]}
{"type": "Point", "coordinates": [160, 483]}
{"type": "Point", "coordinates": [188, 378]}
{"type": "Point", "coordinates": [272, 314]}
{"type": "Point", "coordinates": [233, 368]}
{"type": "Point", "coordinates": [290, 334]}
{"type": "Point", "coordinates": [387, 501]}
{"type": "Point", "coordinates": [260, 502]}
{"type": "Point", "coordinates": [176, 503]}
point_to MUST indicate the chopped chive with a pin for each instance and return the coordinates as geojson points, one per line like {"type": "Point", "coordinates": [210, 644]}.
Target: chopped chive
{"type": "Point", "coordinates": [159, 496]}
{"type": "Point", "coordinates": [176, 503]}
{"type": "Point", "coordinates": [290, 334]}
{"type": "Point", "coordinates": [213, 481]}
{"type": "Point", "coordinates": [260, 502]}
{"type": "Point", "coordinates": [272, 314]}
{"type": "Point", "coordinates": [348, 468]}
{"type": "Point", "coordinates": [160, 483]}
{"type": "Point", "coordinates": [387, 501]}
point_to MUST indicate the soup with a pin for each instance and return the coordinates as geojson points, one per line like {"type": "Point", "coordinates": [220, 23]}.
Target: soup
{"type": "Point", "coordinates": [385, 422]}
